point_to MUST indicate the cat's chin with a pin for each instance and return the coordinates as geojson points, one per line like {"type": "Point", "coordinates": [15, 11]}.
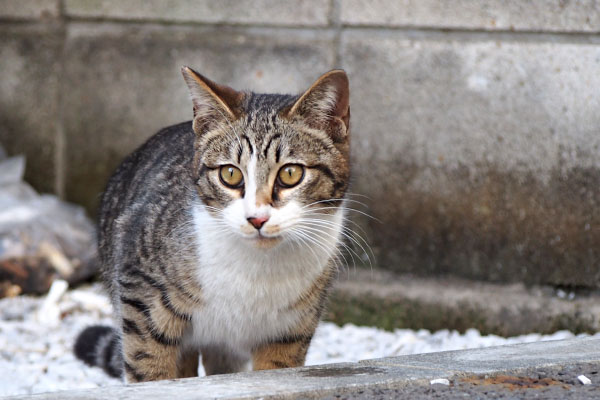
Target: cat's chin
{"type": "Point", "coordinates": [264, 242]}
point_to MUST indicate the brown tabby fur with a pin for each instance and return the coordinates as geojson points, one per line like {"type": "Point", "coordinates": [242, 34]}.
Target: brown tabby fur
{"type": "Point", "coordinates": [148, 240]}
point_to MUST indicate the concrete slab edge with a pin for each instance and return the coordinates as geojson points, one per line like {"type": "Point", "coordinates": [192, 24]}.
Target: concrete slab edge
{"type": "Point", "coordinates": [318, 381]}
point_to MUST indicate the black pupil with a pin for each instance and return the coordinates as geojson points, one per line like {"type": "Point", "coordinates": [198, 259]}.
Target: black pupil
{"type": "Point", "coordinates": [230, 172]}
{"type": "Point", "coordinates": [290, 171]}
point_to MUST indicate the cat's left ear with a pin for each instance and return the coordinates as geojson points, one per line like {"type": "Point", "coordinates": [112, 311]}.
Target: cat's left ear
{"type": "Point", "coordinates": [326, 105]}
{"type": "Point", "coordinates": [212, 102]}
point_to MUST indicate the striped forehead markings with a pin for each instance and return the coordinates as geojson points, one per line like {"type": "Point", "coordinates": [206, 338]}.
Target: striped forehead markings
{"type": "Point", "coordinates": [246, 140]}
{"type": "Point", "coordinates": [268, 146]}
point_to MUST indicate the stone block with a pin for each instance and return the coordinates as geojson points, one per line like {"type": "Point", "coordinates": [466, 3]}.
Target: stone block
{"type": "Point", "coordinates": [263, 12]}
{"type": "Point", "coordinates": [389, 301]}
{"type": "Point", "coordinates": [123, 83]}
{"type": "Point", "coordinates": [480, 157]}
{"type": "Point", "coordinates": [29, 9]}
{"type": "Point", "coordinates": [550, 16]}
{"type": "Point", "coordinates": [29, 108]}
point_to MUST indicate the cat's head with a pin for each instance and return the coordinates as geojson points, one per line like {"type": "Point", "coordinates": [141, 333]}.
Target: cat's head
{"type": "Point", "coordinates": [272, 167]}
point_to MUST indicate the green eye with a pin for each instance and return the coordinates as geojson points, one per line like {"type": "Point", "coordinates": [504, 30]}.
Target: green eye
{"type": "Point", "coordinates": [231, 176]}
{"type": "Point", "coordinates": [290, 175]}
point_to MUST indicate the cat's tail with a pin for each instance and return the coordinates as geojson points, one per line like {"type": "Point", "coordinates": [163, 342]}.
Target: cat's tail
{"type": "Point", "coordinates": [100, 346]}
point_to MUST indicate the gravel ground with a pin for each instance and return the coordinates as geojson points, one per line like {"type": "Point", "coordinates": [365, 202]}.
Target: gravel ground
{"type": "Point", "coordinates": [37, 335]}
{"type": "Point", "coordinates": [538, 383]}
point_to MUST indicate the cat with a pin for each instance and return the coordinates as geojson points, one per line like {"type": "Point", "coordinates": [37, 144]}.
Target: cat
{"type": "Point", "coordinates": [219, 236]}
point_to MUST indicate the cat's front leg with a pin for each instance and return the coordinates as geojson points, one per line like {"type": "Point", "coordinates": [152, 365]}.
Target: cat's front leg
{"type": "Point", "coordinates": [284, 353]}
{"type": "Point", "coordinates": [151, 342]}
{"type": "Point", "coordinates": [290, 351]}
{"type": "Point", "coordinates": [187, 363]}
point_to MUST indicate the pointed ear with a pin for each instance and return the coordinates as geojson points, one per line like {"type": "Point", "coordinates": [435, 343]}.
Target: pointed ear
{"type": "Point", "coordinates": [326, 104]}
{"type": "Point", "coordinates": [212, 102]}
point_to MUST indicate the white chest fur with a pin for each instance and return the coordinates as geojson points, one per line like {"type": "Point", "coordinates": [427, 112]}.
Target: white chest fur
{"type": "Point", "coordinates": [247, 290]}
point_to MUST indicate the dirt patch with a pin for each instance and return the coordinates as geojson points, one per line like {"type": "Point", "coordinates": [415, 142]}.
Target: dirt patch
{"type": "Point", "coordinates": [552, 383]}
{"type": "Point", "coordinates": [514, 382]}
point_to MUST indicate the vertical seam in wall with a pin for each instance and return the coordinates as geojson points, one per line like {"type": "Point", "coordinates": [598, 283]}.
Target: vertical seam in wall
{"type": "Point", "coordinates": [335, 23]}
{"type": "Point", "coordinates": [60, 149]}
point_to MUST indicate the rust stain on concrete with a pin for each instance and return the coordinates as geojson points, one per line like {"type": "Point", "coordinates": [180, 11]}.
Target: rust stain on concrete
{"type": "Point", "coordinates": [514, 382]}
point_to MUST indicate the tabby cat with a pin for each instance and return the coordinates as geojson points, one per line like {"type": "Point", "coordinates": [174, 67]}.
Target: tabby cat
{"type": "Point", "coordinates": [217, 236]}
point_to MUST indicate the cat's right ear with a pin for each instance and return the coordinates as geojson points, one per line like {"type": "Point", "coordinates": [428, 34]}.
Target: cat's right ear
{"type": "Point", "coordinates": [325, 105]}
{"type": "Point", "coordinates": [212, 103]}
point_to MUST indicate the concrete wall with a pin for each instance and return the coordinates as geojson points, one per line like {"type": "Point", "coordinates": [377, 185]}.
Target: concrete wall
{"type": "Point", "coordinates": [475, 124]}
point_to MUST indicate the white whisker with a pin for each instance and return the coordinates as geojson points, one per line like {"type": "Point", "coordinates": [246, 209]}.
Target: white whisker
{"type": "Point", "coordinates": [349, 209]}
{"type": "Point", "coordinates": [335, 199]}
{"type": "Point", "coordinates": [347, 232]}
{"type": "Point", "coordinates": [320, 233]}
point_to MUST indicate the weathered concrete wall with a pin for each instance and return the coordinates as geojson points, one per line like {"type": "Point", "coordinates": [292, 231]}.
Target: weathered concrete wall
{"type": "Point", "coordinates": [475, 124]}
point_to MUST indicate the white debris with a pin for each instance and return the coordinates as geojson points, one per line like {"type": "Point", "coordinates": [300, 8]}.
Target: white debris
{"type": "Point", "coordinates": [584, 379]}
{"type": "Point", "coordinates": [49, 313]}
{"type": "Point", "coordinates": [441, 381]}
{"type": "Point", "coordinates": [36, 351]}
{"type": "Point", "coordinates": [37, 337]}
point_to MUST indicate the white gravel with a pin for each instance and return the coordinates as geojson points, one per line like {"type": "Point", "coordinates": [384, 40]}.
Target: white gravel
{"type": "Point", "coordinates": [37, 335]}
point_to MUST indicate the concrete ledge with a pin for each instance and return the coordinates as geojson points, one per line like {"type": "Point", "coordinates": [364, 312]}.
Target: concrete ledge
{"type": "Point", "coordinates": [318, 381]}
{"type": "Point", "coordinates": [391, 301]}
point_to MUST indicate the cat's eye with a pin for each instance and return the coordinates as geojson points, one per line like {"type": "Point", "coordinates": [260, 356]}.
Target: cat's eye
{"type": "Point", "coordinates": [231, 176]}
{"type": "Point", "coordinates": [290, 175]}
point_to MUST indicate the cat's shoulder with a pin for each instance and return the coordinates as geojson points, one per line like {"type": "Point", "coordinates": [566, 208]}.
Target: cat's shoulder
{"type": "Point", "coordinates": [174, 138]}
{"type": "Point", "coordinates": [174, 141]}
{"type": "Point", "coordinates": [167, 153]}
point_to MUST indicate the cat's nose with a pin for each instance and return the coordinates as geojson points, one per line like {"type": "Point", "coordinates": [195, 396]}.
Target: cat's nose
{"type": "Point", "coordinates": [258, 222]}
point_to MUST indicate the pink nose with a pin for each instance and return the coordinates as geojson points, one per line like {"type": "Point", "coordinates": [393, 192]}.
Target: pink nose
{"type": "Point", "coordinates": [258, 222]}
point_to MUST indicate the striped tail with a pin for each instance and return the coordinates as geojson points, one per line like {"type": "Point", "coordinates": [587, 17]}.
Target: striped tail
{"type": "Point", "coordinates": [100, 346]}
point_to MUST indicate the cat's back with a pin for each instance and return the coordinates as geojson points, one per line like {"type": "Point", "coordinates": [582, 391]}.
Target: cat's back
{"type": "Point", "coordinates": [150, 179]}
